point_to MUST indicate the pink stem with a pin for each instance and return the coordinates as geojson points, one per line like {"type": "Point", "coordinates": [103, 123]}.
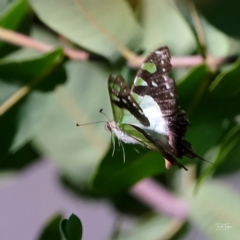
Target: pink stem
{"type": "Point", "coordinates": [158, 198]}
{"type": "Point", "coordinates": [25, 41]}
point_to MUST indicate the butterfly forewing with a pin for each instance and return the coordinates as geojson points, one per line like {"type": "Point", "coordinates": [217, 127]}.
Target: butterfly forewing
{"type": "Point", "coordinates": [152, 79]}
{"type": "Point", "coordinates": [152, 86]}
{"type": "Point", "coordinates": [122, 99]}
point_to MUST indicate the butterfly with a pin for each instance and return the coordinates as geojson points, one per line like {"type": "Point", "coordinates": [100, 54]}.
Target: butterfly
{"type": "Point", "coordinates": [148, 113]}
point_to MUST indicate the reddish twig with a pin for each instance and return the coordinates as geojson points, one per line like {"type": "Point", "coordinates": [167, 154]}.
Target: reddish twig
{"type": "Point", "coordinates": [158, 198]}
{"type": "Point", "coordinates": [25, 41]}
{"type": "Point", "coordinates": [186, 61]}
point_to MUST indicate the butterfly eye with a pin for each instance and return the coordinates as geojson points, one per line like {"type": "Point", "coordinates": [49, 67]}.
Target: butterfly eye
{"type": "Point", "coordinates": [107, 127]}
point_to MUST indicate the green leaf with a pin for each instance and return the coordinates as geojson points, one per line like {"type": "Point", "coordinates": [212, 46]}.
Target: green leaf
{"type": "Point", "coordinates": [91, 24]}
{"type": "Point", "coordinates": [205, 110]}
{"type": "Point", "coordinates": [227, 83]}
{"type": "Point", "coordinates": [163, 24]}
{"type": "Point", "coordinates": [189, 86]}
{"type": "Point", "coordinates": [20, 159]}
{"type": "Point", "coordinates": [71, 228]}
{"type": "Point", "coordinates": [51, 229]}
{"type": "Point", "coordinates": [231, 153]}
{"type": "Point", "coordinates": [214, 203]}
{"type": "Point", "coordinates": [217, 42]}
{"type": "Point", "coordinates": [222, 14]}
{"type": "Point", "coordinates": [77, 150]}
{"type": "Point", "coordinates": [190, 89]}
{"type": "Point", "coordinates": [20, 121]}
{"type": "Point", "coordinates": [12, 16]}
{"type": "Point", "coordinates": [152, 227]}
{"type": "Point", "coordinates": [40, 34]}
{"type": "Point", "coordinates": [230, 141]}
{"type": "Point", "coordinates": [113, 175]}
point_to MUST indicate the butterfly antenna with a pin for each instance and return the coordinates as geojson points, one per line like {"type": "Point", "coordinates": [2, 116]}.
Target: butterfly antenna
{"type": "Point", "coordinates": [79, 125]}
{"type": "Point", "coordinates": [101, 111]}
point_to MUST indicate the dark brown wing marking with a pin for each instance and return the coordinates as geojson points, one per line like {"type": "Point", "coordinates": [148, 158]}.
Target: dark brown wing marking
{"type": "Point", "coordinates": [162, 89]}
{"type": "Point", "coordinates": [123, 99]}
{"type": "Point", "coordinates": [160, 86]}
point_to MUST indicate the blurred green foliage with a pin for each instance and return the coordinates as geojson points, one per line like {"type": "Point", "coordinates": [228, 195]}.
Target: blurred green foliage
{"type": "Point", "coordinates": [62, 92]}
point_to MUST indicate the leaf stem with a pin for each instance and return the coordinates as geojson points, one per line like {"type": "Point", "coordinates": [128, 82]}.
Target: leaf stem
{"type": "Point", "coordinates": [157, 197]}
{"type": "Point", "coordinates": [25, 41]}
{"type": "Point", "coordinates": [180, 62]}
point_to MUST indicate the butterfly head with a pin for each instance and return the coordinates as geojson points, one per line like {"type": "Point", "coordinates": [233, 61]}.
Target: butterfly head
{"type": "Point", "coordinates": [110, 125]}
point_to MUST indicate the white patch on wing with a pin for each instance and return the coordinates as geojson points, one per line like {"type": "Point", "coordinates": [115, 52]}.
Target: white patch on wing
{"type": "Point", "coordinates": [158, 52]}
{"type": "Point", "coordinates": [153, 113]}
{"type": "Point", "coordinates": [124, 101]}
{"type": "Point", "coordinates": [167, 86]}
{"type": "Point", "coordinates": [158, 126]}
{"type": "Point", "coordinates": [154, 84]}
{"type": "Point", "coordinates": [165, 77]}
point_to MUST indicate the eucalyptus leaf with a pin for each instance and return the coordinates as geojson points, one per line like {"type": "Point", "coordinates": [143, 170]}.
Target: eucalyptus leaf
{"type": "Point", "coordinates": [206, 109]}
{"type": "Point", "coordinates": [222, 14]}
{"type": "Point", "coordinates": [77, 150]}
{"type": "Point", "coordinates": [151, 228]}
{"type": "Point", "coordinates": [163, 24]}
{"type": "Point", "coordinates": [11, 18]}
{"type": "Point", "coordinates": [228, 143]}
{"type": "Point", "coordinates": [227, 84]}
{"type": "Point", "coordinates": [13, 14]}
{"type": "Point", "coordinates": [214, 208]}
{"type": "Point", "coordinates": [20, 121]}
{"type": "Point", "coordinates": [92, 24]}
{"type": "Point", "coordinates": [113, 175]}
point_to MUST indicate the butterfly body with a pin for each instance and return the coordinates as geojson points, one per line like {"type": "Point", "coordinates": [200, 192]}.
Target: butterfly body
{"type": "Point", "coordinates": [148, 113]}
{"type": "Point", "coordinates": [120, 134]}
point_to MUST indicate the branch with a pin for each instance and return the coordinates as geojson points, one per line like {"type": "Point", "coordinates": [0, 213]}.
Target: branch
{"type": "Point", "coordinates": [25, 41]}
{"type": "Point", "coordinates": [158, 198]}
{"type": "Point", "coordinates": [162, 201]}
{"type": "Point", "coordinates": [186, 61]}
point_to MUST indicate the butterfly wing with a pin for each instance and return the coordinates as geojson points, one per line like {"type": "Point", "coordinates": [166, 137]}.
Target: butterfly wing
{"type": "Point", "coordinates": [125, 108]}
{"type": "Point", "coordinates": [149, 112]}
{"type": "Point", "coordinates": [156, 93]}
